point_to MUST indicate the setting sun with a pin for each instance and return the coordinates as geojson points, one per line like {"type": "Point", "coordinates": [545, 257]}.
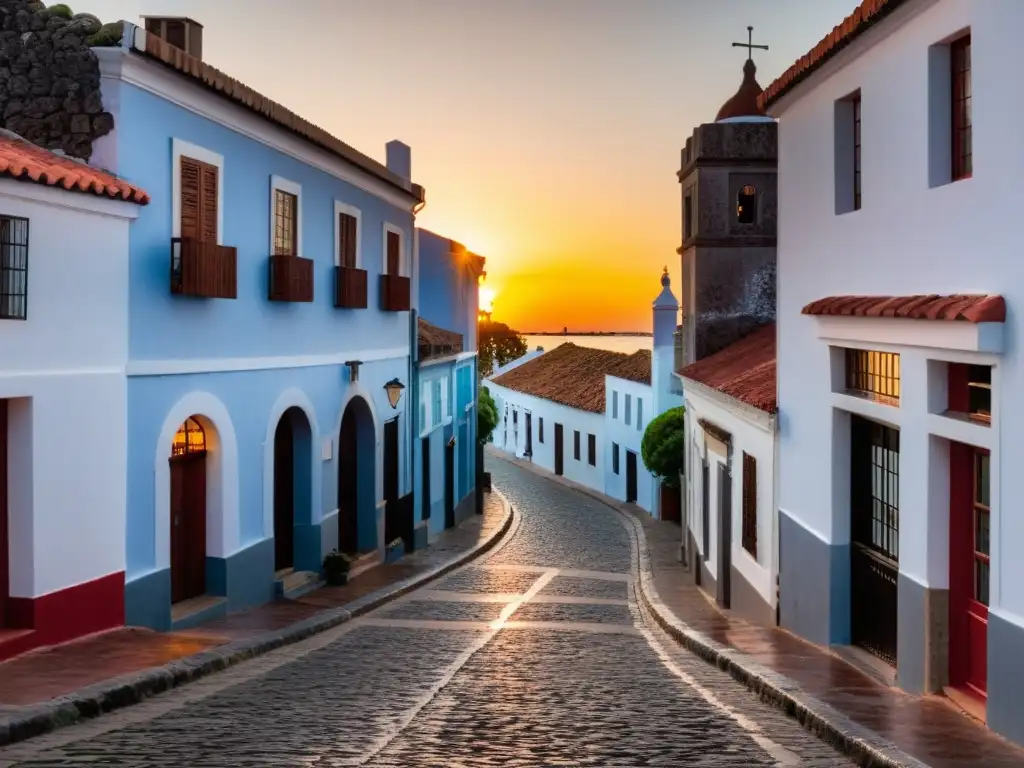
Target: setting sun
{"type": "Point", "coordinates": [486, 299]}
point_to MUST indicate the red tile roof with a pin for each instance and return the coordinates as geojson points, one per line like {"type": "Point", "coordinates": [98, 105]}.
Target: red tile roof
{"type": "Point", "coordinates": [972, 308]}
{"type": "Point", "coordinates": [744, 370]}
{"type": "Point", "coordinates": [868, 13]}
{"type": "Point", "coordinates": [574, 376]}
{"type": "Point", "coordinates": [435, 341]}
{"type": "Point", "coordinates": [22, 160]}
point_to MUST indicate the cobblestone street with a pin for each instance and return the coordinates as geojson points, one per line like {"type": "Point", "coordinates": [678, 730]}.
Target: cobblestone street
{"type": "Point", "coordinates": [535, 655]}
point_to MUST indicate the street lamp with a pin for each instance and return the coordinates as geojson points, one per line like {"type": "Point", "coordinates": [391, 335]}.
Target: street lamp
{"type": "Point", "coordinates": [394, 389]}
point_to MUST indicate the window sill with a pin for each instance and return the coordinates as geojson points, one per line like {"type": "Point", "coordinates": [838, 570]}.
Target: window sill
{"type": "Point", "coordinates": [978, 419]}
{"type": "Point", "coordinates": [871, 397]}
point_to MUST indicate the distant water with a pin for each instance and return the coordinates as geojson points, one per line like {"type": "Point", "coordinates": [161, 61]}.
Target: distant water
{"type": "Point", "coordinates": [627, 344]}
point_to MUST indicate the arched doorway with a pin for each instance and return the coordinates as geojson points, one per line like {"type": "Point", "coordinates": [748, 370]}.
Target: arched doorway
{"type": "Point", "coordinates": [188, 511]}
{"type": "Point", "coordinates": [357, 479]}
{"type": "Point", "coordinates": [292, 496]}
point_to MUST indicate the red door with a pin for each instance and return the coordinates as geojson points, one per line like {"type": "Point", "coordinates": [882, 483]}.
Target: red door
{"type": "Point", "coordinates": [188, 526]}
{"type": "Point", "coordinates": [5, 560]}
{"type": "Point", "coordinates": [969, 560]}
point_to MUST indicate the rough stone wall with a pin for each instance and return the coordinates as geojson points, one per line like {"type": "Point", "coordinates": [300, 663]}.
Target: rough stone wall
{"type": "Point", "coordinates": [735, 294]}
{"type": "Point", "coordinates": [50, 77]}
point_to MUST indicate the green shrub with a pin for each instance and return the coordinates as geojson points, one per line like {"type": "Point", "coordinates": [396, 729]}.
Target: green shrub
{"type": "Point", "coordinates": [487, 416]}
{"type": "Point", "coordinates": [61, 10]}
{"type": "Point", "coordinates": [662, 446]}
{"type": "Point", "coordinates": [109, 35]}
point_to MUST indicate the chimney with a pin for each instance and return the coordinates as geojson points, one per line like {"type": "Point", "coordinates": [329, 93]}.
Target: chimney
{"type": "Point", "coordinates": [399, 159]}
{"type": "Point", "coordinates": [180, 31]}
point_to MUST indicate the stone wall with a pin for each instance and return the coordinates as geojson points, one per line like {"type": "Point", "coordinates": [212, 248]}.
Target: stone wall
{"type": "Point", "coordinates": [50, 77]}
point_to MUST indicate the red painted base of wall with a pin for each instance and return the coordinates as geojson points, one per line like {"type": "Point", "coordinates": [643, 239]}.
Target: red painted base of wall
{"type": "Point", "coordinates": [63, 615]}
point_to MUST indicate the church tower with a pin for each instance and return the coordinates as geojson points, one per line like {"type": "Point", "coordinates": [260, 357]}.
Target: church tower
{"type": "Point", "coordinates": [729, 213]}
{"type": "Point", "coordinates": [666, 315]}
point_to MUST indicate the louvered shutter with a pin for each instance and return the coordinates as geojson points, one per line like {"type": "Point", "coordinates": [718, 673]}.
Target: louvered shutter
{"type": "Point", "coordinates": [190, 198]}
{"type": "Point", "coordinates": [394, 253]}
{"type": "Point", "coordinates": [210, 202]}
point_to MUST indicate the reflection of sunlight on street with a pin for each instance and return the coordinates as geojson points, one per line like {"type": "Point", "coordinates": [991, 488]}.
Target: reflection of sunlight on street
{"type": "Point", "coordinates": [486, 299]}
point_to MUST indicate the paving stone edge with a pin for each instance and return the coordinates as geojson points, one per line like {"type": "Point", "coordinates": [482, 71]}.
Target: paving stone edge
{"type": "Point", "coordinates": [123, 691]}
{"type": "Point", "coordinates": [865, 746]}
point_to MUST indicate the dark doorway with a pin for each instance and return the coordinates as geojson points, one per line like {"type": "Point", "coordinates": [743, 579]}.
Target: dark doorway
{"type": "Point", "coordinates": [630, 477]}
{"type": "Point", "coordinates": [188, 512]}
{"type": "Point", "coordinates": [449, 483]}
{"type": "Point", "coordinates": [529, 436]}
{"type": "Point", "coordinates": [874, 520]}
{"type": "Point", "coordinates": [705, 519]}
{"type": "Point", "coordinates": [391, 460]}
{"type": "Point", "coordinates": [284, 495]}
{"type": "Point", "coordinates": [724, 558]}
{"type": "Point", "coordinates": [357, 527]}
{"type": "Point", "coordinates": [5, 560]}
{"type": "Point", "coordinates": [559, 449]}
{"type": "Point", "coordinates": [425, 451]}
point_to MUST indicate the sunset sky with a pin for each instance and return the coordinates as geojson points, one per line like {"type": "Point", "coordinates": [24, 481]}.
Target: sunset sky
{"type": "Point", "coordinates": [546, 132]}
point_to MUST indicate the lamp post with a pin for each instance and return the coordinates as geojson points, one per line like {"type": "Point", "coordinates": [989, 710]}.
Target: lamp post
{"type": "Point", "coordinates": [394, 389]}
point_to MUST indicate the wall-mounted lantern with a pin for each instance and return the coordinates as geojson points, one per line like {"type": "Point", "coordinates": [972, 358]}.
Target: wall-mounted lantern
{"type": "Point", "coordinates": [394, 389]}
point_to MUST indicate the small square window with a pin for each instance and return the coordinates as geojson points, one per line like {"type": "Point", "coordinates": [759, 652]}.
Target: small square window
{"type": "Point", "coordinates": [13, 268]}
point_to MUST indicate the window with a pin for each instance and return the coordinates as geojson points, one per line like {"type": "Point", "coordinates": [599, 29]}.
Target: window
{"type": "Point", "coordinates": [982, 542]}
{"type": "Point", "coordinates": [286, 208]}
{"type": "Point", "coordinates": [960, 80]}
{"type": "Point", "coordinates": [200, 200]}
{"type": "Point", "coordinates": [615, 404]}
{"type": "Point", "coordinates": [189, 439]}
{"type": "Point", "coordinates": [540, 429]}
{"type": "Point", "coordinates": [875, 375]}
{"type": "Point", "coordinates": [687, 217]}
{"type": "Point", "coordinates": [348, 238]}
{"type": "Point", "coordinates": [393, 253]}
{"type": "Point", "coordinates": [515, 417]}
{"type": "Point", "coordinates": [615, 458]}
{"type": "Point", "coordinates": [436, 414]}
{"type": "Point", "coordinates": [970, 391]}
{"type": "Point", "coordinates": [446, 406]}
{"type": "Point", "coordinates": [746, 204]}
{"type": "Point", "coordinates": [750, 504]}
{"type": "Point", "coordinates": [628, 403]}
{"type": "Point", "coordinates": [855, 108]}
{"type": "Point", "coordinates": [576, 445]}
{"type": "Point", "coordinates": [639, 414]}
{"type": "Point", "coordinates": [13, 268]}
{"type": "Point", "coordinates": [592, 450]}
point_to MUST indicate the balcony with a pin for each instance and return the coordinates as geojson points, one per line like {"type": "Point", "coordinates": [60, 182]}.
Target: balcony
{"type": "Point", "coordinates": [349, 288]}
{"type": "Point", "coordinates": [205, 270]}
{"type": "Point", "coordinates": [394, 293]}
{"type": "Point", "coordinates": [291, 278]}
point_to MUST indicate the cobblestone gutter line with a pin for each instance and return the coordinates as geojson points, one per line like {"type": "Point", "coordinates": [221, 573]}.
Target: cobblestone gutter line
{"type": "Point", "coordinates": [34, 720]}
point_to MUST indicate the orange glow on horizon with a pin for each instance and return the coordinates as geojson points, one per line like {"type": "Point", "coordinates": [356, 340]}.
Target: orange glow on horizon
{"type": "Point", "coordinates": [487, 296]}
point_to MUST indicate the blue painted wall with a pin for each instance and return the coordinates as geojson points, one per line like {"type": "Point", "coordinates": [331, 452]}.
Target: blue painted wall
{"type": "Point", "coordinates": [447, 295]}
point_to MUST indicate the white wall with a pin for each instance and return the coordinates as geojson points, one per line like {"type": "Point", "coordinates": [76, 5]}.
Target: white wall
{"type": "Point", "coordinates": [909, 238]}
{"type": "Point", "coordinates": [628, 438]}
{"type": "Point", "coordinates": [752, 433]}
{"type": "Point", "coordinates": [65, 365]}
{"type": "Point", "coordinates": [571, 420]}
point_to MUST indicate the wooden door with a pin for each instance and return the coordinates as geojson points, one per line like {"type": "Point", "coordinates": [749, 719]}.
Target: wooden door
{"type": "Point", "coordinates": [449, 485]}
{"type": "Point", "coordinates": [425, 451]}
{"type": "Point", "coordinates": [5, 558]}
{"type": "Point", "coordinates": [188, 527]}
{"type": "Point", "coordinates": [391, 460]}
{"type": "Point", "coordinates": [969, 568]}
{"type": "Point", "coordinates": [630, 477]}
{"type": "Point", "coordinates": [348, 484]}
{"type": "Point", "coordinates": [559, 449]}
{"type": "Point", "coordinates": [724, 559]}
{"type": "Point", "coordinates": [284, 495]}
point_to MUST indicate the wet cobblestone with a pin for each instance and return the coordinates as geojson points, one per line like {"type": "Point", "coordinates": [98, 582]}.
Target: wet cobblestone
{"type": "Point", "coordinates": [418, 697]}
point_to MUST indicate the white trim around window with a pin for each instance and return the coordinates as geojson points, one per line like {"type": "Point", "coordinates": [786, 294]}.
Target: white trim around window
{"type": "Point", "coordinates": [403, 257]}
{"type": "Point", "coordinates": [280, 183]}
{"type": "Point", "coordinates": [351, 210]}
{"type": "Point", "coordinates": [181, 149]}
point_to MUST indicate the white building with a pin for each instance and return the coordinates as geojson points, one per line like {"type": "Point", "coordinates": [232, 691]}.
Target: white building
{"type": "Point", "coordinates": [898, 261]}
{"type": "Point", "coordinates": [63, 431]}
{"type": "Point", "coordinates": [581, 412]}
{"type": "Point", "coordinates": [731, 439]}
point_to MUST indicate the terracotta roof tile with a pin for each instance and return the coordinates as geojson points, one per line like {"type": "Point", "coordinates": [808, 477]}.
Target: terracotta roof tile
{"type": "Point", "coordinates": [212, 78]}
{"type": "Point", "coordinates": [22, 160]}
{"type": "Point", "coordinates": [972, 308]}
{"type": "Point", "coordinates": [744, 370]}
{"type": "Point", "coordinates": [868, 13]}
{"type": "Point", "coordinates": [434, 341]}
{"type": "Point", "coordinates": [574, 376]}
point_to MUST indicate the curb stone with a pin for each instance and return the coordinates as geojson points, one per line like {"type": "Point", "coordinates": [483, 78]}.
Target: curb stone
{"type": "Point", "coordinates": [830, 725]}
{"type": "Point", "coordinates": [36, 719]}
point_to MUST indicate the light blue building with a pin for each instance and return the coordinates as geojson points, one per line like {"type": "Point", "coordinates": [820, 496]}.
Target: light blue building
{"type": "Point", "coordinates": [271, 337]}
{"type": "Point", "coordinates": [445, 384]}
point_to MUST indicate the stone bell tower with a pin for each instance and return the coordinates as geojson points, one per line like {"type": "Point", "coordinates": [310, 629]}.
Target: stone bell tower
{"type": "Point", "coordinates": [729, 214]}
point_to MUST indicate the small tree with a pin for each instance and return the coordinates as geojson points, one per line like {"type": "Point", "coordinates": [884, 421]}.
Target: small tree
{"type": "Point", "coordinates": [662, 446]}
{"type": "Point", "coordinates": [487, 416]}
{"type": "Point", "coordinates": [497, 340]}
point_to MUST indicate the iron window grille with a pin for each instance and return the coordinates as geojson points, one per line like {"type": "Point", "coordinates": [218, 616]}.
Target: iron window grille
{"type": "Point", "coordinates": [13, 268]}
{"type": "Point", "coordinates": [856, 152]}
{"type": "Point", "coordinates": [189, 439]}
{"type": "Point", "coordinates": [873, 374]}
{"type": "Point", "coordinates": [960, 60]}
{"type": "Point", "coordinates": [285, 231]}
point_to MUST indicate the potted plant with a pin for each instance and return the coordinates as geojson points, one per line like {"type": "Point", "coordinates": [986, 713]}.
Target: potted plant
{"type": "Point", "coordinates": [336, 567]}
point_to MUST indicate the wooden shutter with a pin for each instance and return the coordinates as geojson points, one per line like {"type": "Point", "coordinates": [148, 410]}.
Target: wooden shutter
{"type": "Point", "coordinates": [346, 240]}
{"type": "Point", "coordinates": [211, 202]}
{"type": "Point", "coordinates": [191, 198]}
{"type": "Point", "coordinates": [394, 253]}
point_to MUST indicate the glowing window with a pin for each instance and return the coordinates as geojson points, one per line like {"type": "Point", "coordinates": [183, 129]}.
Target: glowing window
{"type": "Point", "coordinates": [189, 439]}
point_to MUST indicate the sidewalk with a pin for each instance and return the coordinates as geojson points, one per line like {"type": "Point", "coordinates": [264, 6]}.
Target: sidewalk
{"type": "Point", "coordinates": [95, 673]}
{"type": "Point", "coordinates": [930, 729]}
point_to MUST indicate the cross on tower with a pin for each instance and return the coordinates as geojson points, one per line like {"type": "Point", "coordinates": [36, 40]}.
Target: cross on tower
{"type": "Point", "coordinates": [749, 45]}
